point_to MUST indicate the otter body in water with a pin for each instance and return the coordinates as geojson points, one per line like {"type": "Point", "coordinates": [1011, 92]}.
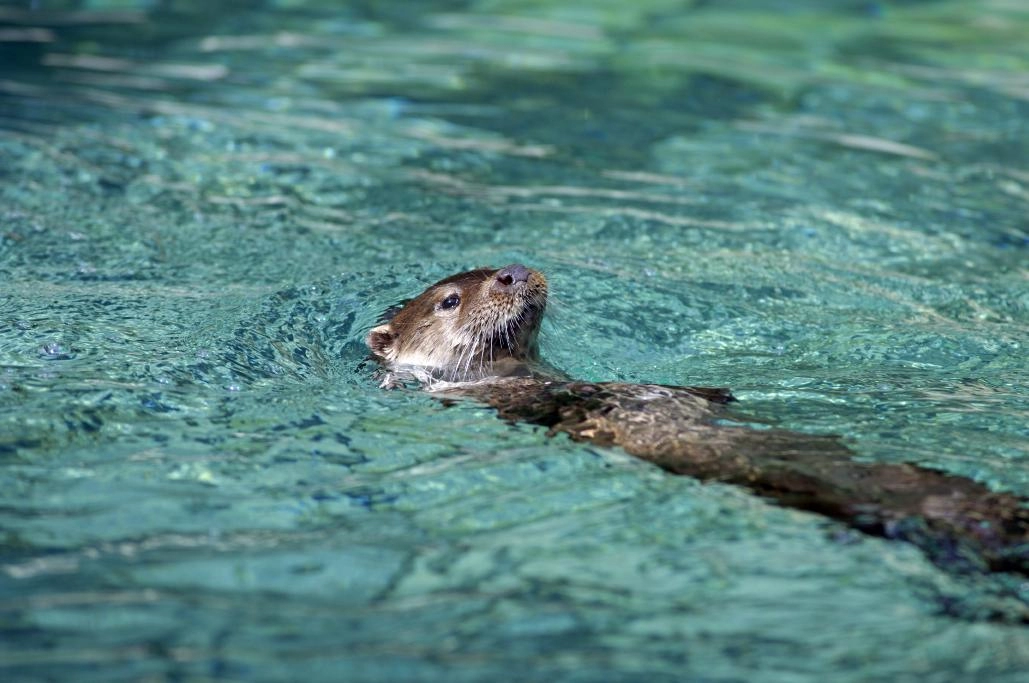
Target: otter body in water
{"type": "Point", "coordinates": [474, 335]}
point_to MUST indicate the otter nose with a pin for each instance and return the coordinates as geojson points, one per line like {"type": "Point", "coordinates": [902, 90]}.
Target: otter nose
{"type": "Point", "coordinates": [513, 273]}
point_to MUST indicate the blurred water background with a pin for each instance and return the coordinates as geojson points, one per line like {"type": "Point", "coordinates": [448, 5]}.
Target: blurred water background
{"type": "Point", "coordinates": [204, 206]}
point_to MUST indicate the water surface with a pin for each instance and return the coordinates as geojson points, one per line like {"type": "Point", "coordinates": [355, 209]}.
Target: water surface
{"type": "Point", "coordinates": [203, 209]}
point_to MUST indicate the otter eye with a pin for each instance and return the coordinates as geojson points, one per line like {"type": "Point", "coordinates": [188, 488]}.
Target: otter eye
{"type": "Point", "coordinates": [450, 302]}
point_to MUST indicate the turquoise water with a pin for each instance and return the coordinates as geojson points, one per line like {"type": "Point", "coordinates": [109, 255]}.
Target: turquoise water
{"type": "Point", "coordinates": [203, 208]}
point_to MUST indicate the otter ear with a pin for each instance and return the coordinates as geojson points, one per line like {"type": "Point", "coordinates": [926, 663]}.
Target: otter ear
{"type": "Point", "coordinates": [380, 339]}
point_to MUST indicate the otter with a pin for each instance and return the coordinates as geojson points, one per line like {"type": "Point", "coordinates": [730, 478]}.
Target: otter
{"type": "Point", "coordinates": [466, 327]}
{"type": "Point", "coordinates": [474, 336]}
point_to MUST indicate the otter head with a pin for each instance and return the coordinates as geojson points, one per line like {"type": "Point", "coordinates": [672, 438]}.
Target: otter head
{"type": "Point", "coordinates": [466, 327]}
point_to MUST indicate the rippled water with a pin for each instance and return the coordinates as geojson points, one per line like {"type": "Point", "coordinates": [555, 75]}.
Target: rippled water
{"type": "Point", "coordinates": [202, 210]}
